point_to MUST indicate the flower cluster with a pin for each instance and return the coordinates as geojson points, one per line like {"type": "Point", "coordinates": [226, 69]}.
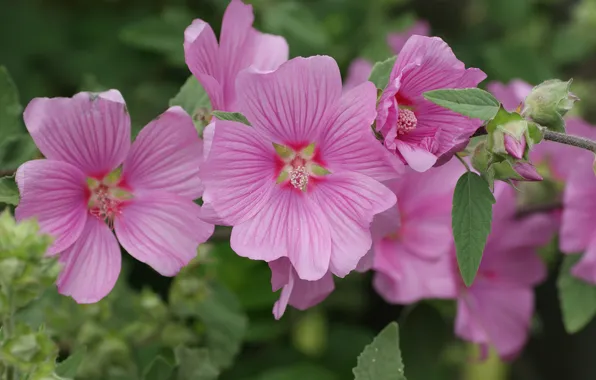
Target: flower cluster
{"type": "Point", "coordinates": [327, 179]}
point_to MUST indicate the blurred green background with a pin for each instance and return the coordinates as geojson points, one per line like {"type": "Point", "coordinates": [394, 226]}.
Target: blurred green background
{"type": "Point", "coordinates": [59, 47]}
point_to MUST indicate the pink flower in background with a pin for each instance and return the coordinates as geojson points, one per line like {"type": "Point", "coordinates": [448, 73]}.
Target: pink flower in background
{"type": "Point", "coordinates": [511, 95]}
{"type": "Point", "coordinates": [578, 230]}
{"type": "Point", "coordinates": [299, 293]}
{"type": "Point", "coordinates": [358, 73]}
{"type": "Point", "coordinates": [416, 130]}
{"type": "Point", "coordinates": [396, 41]}
{"type": "Point", "coordinates": [497, 309]}
{"type": "Point", "coordinates": [303, 181]}
{"type": "Point", "coordinates": [240, 46]}
{"type": "Point", "coordinates": [77, 195]}
{"type": "Point", "coordinates": [412, 241]}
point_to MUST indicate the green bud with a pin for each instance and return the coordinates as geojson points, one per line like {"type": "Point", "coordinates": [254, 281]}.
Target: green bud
{"type": "Point", "coordinates": [480, 157]}
{"type": "Point", "coordinates": [549, 102]}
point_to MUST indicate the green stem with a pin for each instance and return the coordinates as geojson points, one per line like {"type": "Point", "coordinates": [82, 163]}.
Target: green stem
{"type": "Point", "coordinates": [566, 139]}
{"type": "Point", "coordinates": [464, 163]}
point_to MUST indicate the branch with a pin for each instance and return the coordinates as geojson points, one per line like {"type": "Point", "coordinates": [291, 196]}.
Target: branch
{"type": "Point", "coordinates": [4, 173]}
{"type": "Point", "coordinates": [577, 141]}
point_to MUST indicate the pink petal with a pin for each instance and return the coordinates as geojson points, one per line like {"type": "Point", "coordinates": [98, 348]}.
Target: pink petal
{"type": "Point", "coordinates": [397, 40]}
{"type": "Point", "coordinates": [350, 201]}
{"type": "Point", "coordinates": [387, 222]}
{"type": "Point", "coordinates": [162, 230]}
{"type": "Point", "coordinates": [497, 315]}
{"type": "Point", "coordinates": [586, 267]}
{"type": "Point", "coordinates": [291, 225]}
{"type": "Point", "coordinates": [417, 158]}
{"type": "Point", "coordinates": [91, 265]}
{"type": "Point", "coordinates": [358, 73]}
{"type": "Point", "coordinates": [301, 294]}
{"type": "Point", "coordinates": [579, 211]}
{"type": "Point", "coordinates": [280, 272]}
{"type": "Point", "coordinates": [239, 173]}
{"type": "Point", "coordinates": [404, 278]}
{"type": "Point", "coordinates": [514, 147]}
{"type": "Point", "coordinates": [89, 131]}
{"type": "Point", "coordinates": [294, 103]}
{"type": "Point", "coordinates": [166, 156]}
{"type": "Point", "coordinates": [201, 54]}
{"type": "Point", "coordinates": [270, 51]}
{"type": "Point", "coordinates": [208, 134]}
{"type": "Point", "coordinates": [349, 143]}
{"type": "Point", "coordinates": [53, 192]}
{"type": "Point", "coordinates": [366, 262]}
{"type": "Point", "coordinates": [511, 94]}
{"type": "Point", "coordinates": [527, 171]}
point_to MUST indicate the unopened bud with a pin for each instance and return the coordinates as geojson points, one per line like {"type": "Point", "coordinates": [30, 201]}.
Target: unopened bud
{"type": "Point", "coordinates": [515, 147]}
{"type": "Point", "coordinates": [480, 157]}
{"type": "Point", "coordinates": [549, 102]}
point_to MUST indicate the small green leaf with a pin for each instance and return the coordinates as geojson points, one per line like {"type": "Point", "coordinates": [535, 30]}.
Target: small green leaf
{"type": "Point", "coordinates": [159, 369]}
{"type": "Point", "coordinates": [471, 221]}
{"type": "Point", "coordinates": [577, 297]}
{"type": "Point", "coordinates": [9, 193]}
{"type": "Point", "coordinates": [471, 102]}
{"type": "Point", "coordinates": [381, 360]}
{"type": "Point", "coordinates": [231, 116]}
{"type": "Point", "coordinates": [381, 71]}
{"type": "Point", "coordinates": [68, 368]}
{"type": "Point", "coordinates": [193, 98]}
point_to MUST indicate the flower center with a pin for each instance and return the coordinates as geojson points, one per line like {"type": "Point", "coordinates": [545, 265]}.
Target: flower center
{"type": "Point", "coordinates": [298, 166]}
{"type": "Point", "coordinates": [406, 121]}
{"type": "Point", "coordinates": [106, 198]}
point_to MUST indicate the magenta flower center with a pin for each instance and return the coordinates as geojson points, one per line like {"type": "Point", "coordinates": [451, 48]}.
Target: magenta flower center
{"type": "Point", "coordinates": [406, 121]}
{"type": "Point", "coordinates": [106, 198]}
{"type": "Point", "coordinates": [298, 167]}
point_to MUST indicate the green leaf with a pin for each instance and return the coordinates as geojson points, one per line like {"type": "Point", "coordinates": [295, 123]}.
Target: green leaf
{"type": "Point", "coordinates": [471, 102]}
{"type": "Point", "coordinates": [471, 220]}
{"type": "Point", "coordinates": [9, 193]}
{"type": "Point", "coordinates": [381, 360]}
{"type": "Point", "coordinates": [231, 116]}
{"type": "Point", "coordinates": [159, 369]}
{"type": "Point", "coordinates": [578, 298]}
{"type": "Point", "coordinates": [193, 98]}
{"type": "Point", "coordinates": [381, 71]}
{"type": "Point", "coordinates": [10, 107]}
{"type": "Point", "coordinates": [195, 364]}
{"type": "Point", "coordinates": [68, 368]}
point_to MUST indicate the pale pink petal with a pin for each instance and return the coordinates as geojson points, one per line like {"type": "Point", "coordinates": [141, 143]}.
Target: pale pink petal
{"type": "Point", "coordinates": [579, 211]}
{"type": "Point", "coordinates": [280, 306]}
{"type": "Point", "coordinates": [280, 272]}
{"type": "Point", "coordinates": [527, 171]}
{"type": "Point", "coordinates": [515, 147]}
{"type": "Point", "coordinates": [348, 141]}
{"type": "Point", "coordinates": [511, 94]}
{"type": "Point", "coordinates": [201, 54]}
{"type": "Point", "coordinates": [404, 278]}
{"type": "Point", "coordinates": [293, 104]}
{"type": "Point", "coordinates": [396, 41]}
{"type": "Point", "coordinates": [162, 230]}
{"type": "Point", "coordinates": [89, 131]}
{"type": "Point", "coordinates": [166, 156]}
{"type": "Point", "coordinates": [239, 173]}
{"type": "Point", "coordinates": [208, 134]}
{"type": "Point", "coordinates": [91, 265]}
{"type": "Point", "coordinates": [586, 267]}
{"type": "Point", "coordinates": [417, 158]}
{"type": "Point", "coordinates": [387, 222]}
{"type": "Point", "coordinates": [516, 266]}
{"type": "Point", "coordinates": [350, 201]}
{"type": "Point", "coordinates": [53, 192]}
{"type": "Point", "coordinates": [358, 73]}
{"type": "Point", "coordinates": [496, 315]}
{"type": "Point", "coordinates": [291, 225]}
{"type": "Point", "coordinates": [270, 51]}
{"type": "Point", "coordinates": [366, 262]}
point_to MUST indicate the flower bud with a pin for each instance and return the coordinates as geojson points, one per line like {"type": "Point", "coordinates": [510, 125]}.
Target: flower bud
{"type": "Point", "coordinates": [518, 171]}
{"type": "Point", "coordinates": [515, 147]}
{"type": "Point", "coordinates": [527, 171]}
{"type": "Point", "coordinates": [549, 102]}
{"type": "Point", "coordinates": [480, 157]}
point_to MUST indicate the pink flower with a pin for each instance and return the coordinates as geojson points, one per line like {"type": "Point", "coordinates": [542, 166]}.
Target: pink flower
{"type": "Point", "coordinates": [497, 309]}
{"type": "Point", "coordinates": [578, 230]}
{"type": "Point", "coordinates": [302, 182]}
{"type": "Point", "coordinates": [416, 130]}
{"type": "Point", "coordinates": [358, 73]}
{"type": "Point", "coordinates": [557, 158]}
{"type": "Point", "coordinates": [77, 195]}
{"type": "Point", "coordinates": [397, 40]}
{"type": "Point", "coordinates": [240, 46]}
{"type": "Point", "coordinates": [412, 241]}
{"type": "Point", "coordinates": [299, 293]}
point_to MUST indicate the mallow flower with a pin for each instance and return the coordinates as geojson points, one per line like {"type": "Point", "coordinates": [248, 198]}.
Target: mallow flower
{"type": "Point", "coordinates": [92, 180]}
{"type": "Point", "coordinates": [419, 132]}
{"type": "Point", "coordinates": [396, 41]}
{"type": "Point", "coordinates": [358, 73]}
{"type": "Point", "coordinates": [412, 241]}
{"type": "Point", "coordinates": [303, 181]}
{"type": "Point", "coordinates": [216, 65]}
{"type": "Point", "coordinates": [496, 310]}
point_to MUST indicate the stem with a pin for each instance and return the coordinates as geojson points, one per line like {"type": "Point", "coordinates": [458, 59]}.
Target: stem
{"type": "Point", "coordinates": [563, 138]}
{"type": "Point", "coordinates": [4, 173]}
{"type": "Point", "coordinates": [464, 163]}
